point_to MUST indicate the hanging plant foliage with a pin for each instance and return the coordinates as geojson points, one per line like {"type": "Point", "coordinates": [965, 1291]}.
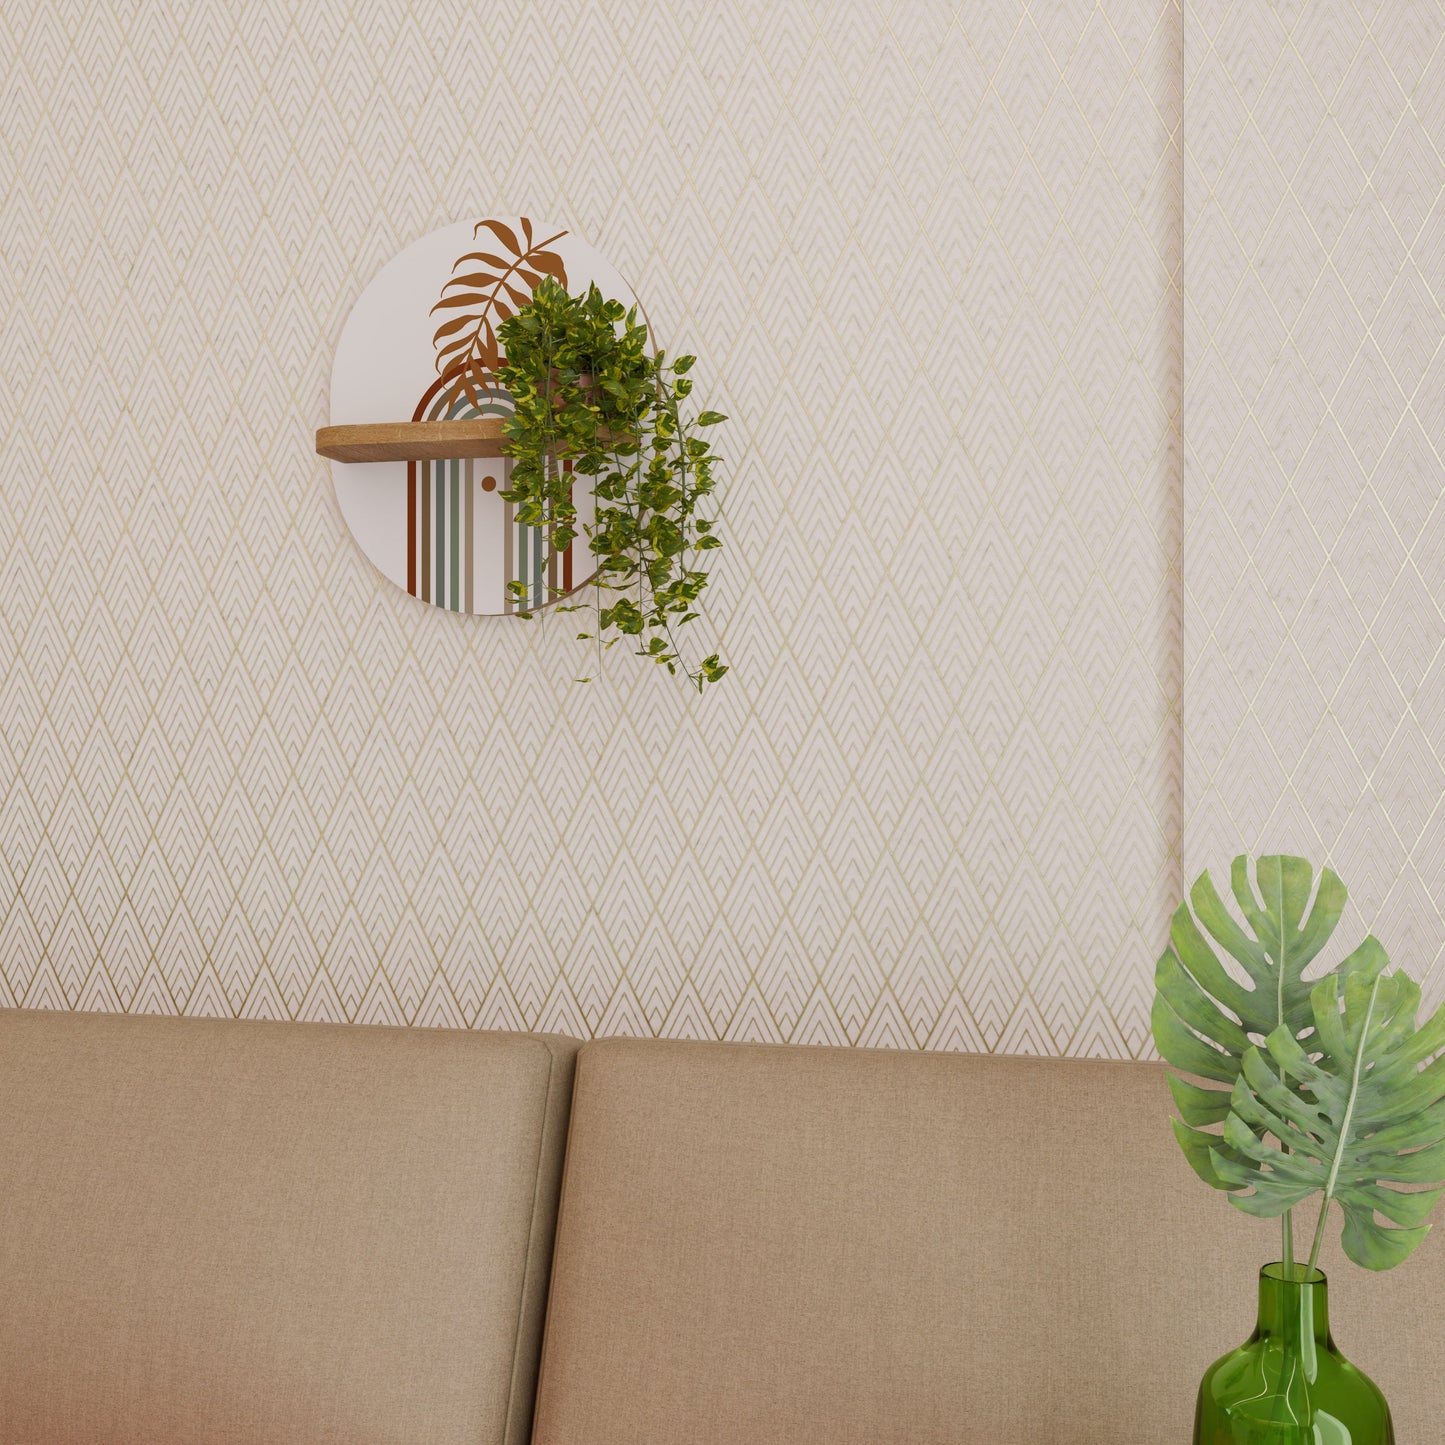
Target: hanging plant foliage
{"type": "Point", "coordinates": [593, 398]}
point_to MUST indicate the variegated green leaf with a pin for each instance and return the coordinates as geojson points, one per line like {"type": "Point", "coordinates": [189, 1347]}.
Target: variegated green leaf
{"type": "Point", "coordinates": [1353, 1109]}
{"type": "Point", "coordinates": [1205, 1018]}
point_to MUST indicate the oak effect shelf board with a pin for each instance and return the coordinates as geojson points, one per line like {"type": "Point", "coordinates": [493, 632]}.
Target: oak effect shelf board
{"type": "Point", "coordinates": [411, 441]}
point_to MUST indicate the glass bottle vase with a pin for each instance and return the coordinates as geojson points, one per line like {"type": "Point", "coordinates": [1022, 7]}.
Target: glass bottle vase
{"type": "Point", "coordinates": [1287, 1384]}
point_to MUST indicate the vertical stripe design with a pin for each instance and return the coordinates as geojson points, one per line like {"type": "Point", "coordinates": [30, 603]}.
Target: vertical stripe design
{"type": "Point", "coordinates": [509, 549]}
{"type": "Point", "coordinates": [567, 558]}
{"type": "Point", "coordinates": [454, 511]}
{"type": "Point", "coordinates": [442, 518]}
{"type": "Point", "coordinates": [424, 531]}
{"type": "Point", "coordinates": [439, 591]}
{"type": "Point", "coordinates": [468, 528]}
{"type": "Point", "coordinates": [411, 528]}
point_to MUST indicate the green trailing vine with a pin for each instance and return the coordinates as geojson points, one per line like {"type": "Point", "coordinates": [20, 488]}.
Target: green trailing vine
{"type": "Point", "coordinates": [592, 398]}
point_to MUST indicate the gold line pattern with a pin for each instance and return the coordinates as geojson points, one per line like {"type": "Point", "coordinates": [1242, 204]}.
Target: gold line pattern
{"type": "Point", "coordinates": [929, 256]}
{"type": "Point", "coordinates": [1315, 417]}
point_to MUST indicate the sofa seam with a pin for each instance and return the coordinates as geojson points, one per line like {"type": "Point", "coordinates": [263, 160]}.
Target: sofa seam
{"type": "Point", "coordinates": [586, 1047]}
{"type": "Point", "coordinates": [527, 1265]}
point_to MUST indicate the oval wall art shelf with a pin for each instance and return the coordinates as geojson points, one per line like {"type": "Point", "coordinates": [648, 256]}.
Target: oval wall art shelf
{"type": "Point", "coordinates": [415, 439]}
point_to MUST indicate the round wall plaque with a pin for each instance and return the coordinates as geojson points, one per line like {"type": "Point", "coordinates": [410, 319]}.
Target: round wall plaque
{"type": "Point", "coordinates": [416, 416]}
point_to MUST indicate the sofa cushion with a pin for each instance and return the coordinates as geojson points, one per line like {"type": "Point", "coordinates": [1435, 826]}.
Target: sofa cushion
{"type": "Point", "coordinates": [823, 1245]}
{"type": "Point", "coordinates": [243, 1232]}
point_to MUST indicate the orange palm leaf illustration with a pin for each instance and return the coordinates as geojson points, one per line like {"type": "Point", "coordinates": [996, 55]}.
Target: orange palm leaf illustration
{"type": "Point", "coordinates": [485, 289]}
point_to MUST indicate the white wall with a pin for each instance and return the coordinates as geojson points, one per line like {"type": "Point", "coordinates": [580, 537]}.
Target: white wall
{"type": "Point", "coordinates": [1314, 712]}
{"type": "Point", "coordinates": [928, 256]}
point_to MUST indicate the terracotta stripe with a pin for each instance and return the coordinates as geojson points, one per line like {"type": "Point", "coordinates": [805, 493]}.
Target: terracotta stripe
{"type": "Point", "coordinates": [411, 528]}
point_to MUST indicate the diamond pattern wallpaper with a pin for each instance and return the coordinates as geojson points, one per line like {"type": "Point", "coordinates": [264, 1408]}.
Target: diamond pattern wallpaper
{"type": "Point", "coordinates": [1314, 701]}
{"type": "Point", "coordinates": [928, 255]}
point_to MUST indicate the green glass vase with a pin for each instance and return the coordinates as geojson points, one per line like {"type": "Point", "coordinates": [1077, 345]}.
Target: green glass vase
{"type": "Point", "coordinates": [1287, 1384]}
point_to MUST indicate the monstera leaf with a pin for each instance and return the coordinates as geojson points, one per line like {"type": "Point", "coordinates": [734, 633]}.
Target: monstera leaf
{"type": "Point", "coordinates": [1354, 1111]}
{"type": "Point", "coordinates": [1205, 1019]}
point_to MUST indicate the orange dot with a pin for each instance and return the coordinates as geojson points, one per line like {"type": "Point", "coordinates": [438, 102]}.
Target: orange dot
{"type": "Point", "coordinates": [489, 484]}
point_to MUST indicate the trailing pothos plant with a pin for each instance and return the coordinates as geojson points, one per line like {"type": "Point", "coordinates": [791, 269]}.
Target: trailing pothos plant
{"type": "Point", "coordinates": [592, 398]}
{"type": "Point", "coordinates": [1301, 1087]}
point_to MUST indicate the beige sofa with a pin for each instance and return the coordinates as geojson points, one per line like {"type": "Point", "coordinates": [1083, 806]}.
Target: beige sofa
{"type": "Point", "coordinates": [230, 1232]}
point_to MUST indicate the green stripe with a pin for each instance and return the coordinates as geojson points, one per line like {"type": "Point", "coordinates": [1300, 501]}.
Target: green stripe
{"type": "Point", "coordinates": [440, 595]}
{"type": "Point", "coordinates": [456, 470]}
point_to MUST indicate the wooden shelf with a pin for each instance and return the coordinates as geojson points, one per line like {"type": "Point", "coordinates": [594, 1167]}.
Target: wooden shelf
{"type": "Point", "coordinates": [411, 441]}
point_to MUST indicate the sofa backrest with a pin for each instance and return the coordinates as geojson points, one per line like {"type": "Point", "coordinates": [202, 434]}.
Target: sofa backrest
{"type": "Point", "coordinates": [822, 1245]}
{"type": "Point", "coordinates": [282, 1234]}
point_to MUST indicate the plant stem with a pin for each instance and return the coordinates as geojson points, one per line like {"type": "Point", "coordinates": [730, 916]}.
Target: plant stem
{"type": "Point", "coordinates": [1319, 1232]}
{"type": "Point", "coordinates": [1355, 1073]}
{"type": "Point", "coordinates": [1287, 1219]}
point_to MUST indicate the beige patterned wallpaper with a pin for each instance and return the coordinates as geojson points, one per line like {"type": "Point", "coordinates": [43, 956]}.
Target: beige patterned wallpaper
{"type": "Point", "coordinates": [1314, 700]}
{"type": "Point", "coordinates": [928, 255]}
